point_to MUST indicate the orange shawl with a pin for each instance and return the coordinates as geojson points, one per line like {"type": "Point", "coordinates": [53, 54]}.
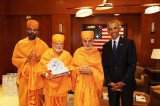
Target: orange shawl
{"type": "Point", "coordinates": [57, 86]}
{"type": "Point", "coordinates": [88, 88]}
{"type": "Point", "coordinates": [22, 51]}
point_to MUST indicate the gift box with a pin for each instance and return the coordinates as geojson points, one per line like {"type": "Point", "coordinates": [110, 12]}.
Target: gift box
{"type": "Point", "coordinates": [56, 68]}
{"type": "Point", "coordinates": [9, 85]}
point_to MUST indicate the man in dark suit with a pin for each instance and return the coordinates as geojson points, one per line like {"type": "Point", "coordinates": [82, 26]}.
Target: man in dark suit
{"type": "Point", "coordinates": [119, 63]}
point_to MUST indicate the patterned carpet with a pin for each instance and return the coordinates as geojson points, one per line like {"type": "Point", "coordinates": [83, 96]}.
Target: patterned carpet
{"type": "Point", "coordinates": [13, 100]}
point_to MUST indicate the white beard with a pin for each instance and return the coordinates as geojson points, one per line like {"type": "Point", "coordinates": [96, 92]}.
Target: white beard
{"type": "Point", "coordinates": [58, 50]}
{"type": "Point", "coordinates": [87, 48]}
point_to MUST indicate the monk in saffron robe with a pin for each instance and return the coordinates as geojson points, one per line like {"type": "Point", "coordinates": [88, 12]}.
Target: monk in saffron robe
{"type": "Point", "coordinates": [88, 72]}
{"type": "Point", "coordinates": [26, 56]}
{"type": "Point", "coordinates": [56, 88]}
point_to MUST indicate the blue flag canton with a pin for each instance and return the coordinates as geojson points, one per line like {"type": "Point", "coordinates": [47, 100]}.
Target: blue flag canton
{"type": "Point", "coordinates": [96, 28]}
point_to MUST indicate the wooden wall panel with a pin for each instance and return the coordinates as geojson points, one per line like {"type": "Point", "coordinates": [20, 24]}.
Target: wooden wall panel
{"type": "Point", "coordinates": [16, 30]}
{"type": "Point", "coordinates": [65, 20]}
{"type": "Point", "coordinates": [38, 7]}
{"type": "Point", "coordinates": [22, 26]}
{"type": "Point", "coordinates": [2, 27]}
{"type": "Point", "coordinates": [2, 7]}
{"type": "Point", "coordinates": [46, 29]}
{"type": "Point", "coordinates": [31, 7]}
{"type": "Point", "coordinates": [2, 34]}
{"type": "Point", "coordinates": [137, 38]}
{"type": "Point", "coordinates": [146, 44]}
{"type": "Point", "coordinates": [12, 37]}
{"type": "Point", "coordinates": [130, 20]}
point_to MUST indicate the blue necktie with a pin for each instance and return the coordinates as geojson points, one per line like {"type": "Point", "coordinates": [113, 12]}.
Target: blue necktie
{"type": "Point", "coordinates": [114, 50]}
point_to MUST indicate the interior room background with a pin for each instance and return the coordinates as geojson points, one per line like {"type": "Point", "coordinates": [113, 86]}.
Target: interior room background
{"type": "Point", "coordinates": [51, 13]}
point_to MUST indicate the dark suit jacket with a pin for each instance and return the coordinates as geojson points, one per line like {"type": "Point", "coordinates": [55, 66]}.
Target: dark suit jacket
{"type": "Point", "coordinates": [123, 68]}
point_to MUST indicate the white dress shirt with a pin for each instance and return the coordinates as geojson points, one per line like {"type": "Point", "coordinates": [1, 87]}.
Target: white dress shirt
{"type": "Point", "coordinates": [117, 40]}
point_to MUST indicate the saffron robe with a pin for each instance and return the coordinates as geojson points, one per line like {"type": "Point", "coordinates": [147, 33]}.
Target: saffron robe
{"type": "Point", "coordinates": [88, 88]}
{"type": "Point", "coordinates": [29, 92]}
{"type": "Point", "coordinates": [56, 88]}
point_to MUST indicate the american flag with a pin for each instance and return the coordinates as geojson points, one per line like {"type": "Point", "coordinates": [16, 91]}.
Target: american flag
{"type": "Point", "coordinates": [101, 35]}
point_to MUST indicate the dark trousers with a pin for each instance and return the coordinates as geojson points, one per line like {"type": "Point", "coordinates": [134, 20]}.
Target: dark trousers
{"type": "Point", "coordinates": [126, 97]}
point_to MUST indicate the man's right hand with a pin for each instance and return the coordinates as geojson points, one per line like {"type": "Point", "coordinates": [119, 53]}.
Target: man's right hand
{"type": "Point", "coordinates": [112, 84]}
{"type": "Point", "coordinates": [114, 87]}
{"type": "Point", "coordinates": [45, 74]}
{"type": "Point", "coordinates": [29, 58]}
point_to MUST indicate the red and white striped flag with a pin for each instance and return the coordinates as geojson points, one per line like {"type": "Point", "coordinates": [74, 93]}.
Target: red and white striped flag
{"type": "Point", "coordinates": [98, 43]}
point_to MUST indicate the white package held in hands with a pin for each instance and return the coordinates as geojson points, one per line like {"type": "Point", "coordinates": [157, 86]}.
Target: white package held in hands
{"type": "Point", "coordinates": [56, 66]}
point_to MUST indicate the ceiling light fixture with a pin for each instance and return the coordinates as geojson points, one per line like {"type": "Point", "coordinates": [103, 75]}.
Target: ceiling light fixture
{"type": "Point", "coordinates": [105, 5]}
{"type": "Point", "coordinates": [116, 14]}
{"type": "Point", "coordinates": [151, 10]}
{"type": "Point", "coordinates": [84, 13]}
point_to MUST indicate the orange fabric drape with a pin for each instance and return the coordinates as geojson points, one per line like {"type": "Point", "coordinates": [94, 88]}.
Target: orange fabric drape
{"type": "Point", "coordinates": [88, 88]}
{"type": "Point", "coordinates": [27, 72]}
{"type": "Point", "coordinates": [56, 88]}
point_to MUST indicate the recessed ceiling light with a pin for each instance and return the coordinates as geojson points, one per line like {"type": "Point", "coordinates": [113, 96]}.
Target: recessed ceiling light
{"type": "Point", "coordinates": [116, 14]}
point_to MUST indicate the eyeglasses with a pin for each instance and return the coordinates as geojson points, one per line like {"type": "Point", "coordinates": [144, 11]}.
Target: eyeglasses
{"type": "Point", "coordinates": [30, 29]}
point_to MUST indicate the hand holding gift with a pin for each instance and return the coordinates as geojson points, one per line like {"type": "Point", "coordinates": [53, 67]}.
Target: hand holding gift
{"type": "Point", "coordinates": [56, 68]}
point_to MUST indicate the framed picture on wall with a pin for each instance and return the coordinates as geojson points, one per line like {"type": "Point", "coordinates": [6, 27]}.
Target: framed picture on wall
{"type": "Point", "coordinates": [101, 35]}
{"type": "Point", "coordinates": [152, 27]}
